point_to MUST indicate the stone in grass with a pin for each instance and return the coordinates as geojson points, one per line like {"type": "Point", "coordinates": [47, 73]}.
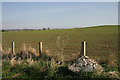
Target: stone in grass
{"type": "Point", "coordinates": [84, 64]}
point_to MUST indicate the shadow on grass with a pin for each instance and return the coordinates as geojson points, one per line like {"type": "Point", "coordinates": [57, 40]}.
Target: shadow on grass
{"type": "Point", "coordinates": [64, 71]}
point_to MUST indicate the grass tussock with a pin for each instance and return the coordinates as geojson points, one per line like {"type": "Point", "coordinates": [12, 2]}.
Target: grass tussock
{"type": "Point", "coordinates": [44, 68]}
{"type": "Point", "coordinates": [111, 60]}
{"type": "Point", "coordinates": [26, 63]}
{"type": "Point", "coordinates": [28, 50]}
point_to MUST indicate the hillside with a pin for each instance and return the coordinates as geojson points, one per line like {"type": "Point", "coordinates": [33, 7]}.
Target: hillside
{"type": "Point", "coordinates": [101, 40]}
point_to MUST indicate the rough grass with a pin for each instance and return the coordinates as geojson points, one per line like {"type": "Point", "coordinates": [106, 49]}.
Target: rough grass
{"type": "Point", "coordinates": [41, 70]}
{"type": "Point", "coordinates": [48, 67]}
{"type": "Point", "coordinates": [101, 40]}
{"type": "Point", "coordinates": [102, 45]}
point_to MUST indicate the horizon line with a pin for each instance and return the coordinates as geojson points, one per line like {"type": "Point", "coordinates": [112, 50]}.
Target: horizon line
{"type": "Point", "coordinates": [64, 28]}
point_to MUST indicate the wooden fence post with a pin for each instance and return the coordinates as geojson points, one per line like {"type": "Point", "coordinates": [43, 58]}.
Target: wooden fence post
{"type": "Point", "coordinates": [40, 48]}
{"type": "Point", "coordinates": [13, 47]}
{"type": "Point", "coordinates": [84, 48]}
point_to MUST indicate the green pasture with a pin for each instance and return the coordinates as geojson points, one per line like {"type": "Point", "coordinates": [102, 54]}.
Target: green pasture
{"type": "Point", "coordinates": [101, 40]}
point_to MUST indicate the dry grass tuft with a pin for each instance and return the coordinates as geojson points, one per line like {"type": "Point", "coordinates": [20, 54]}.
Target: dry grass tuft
{"type": "Point", "coordinates": [47, 52]}
{"type": "Point", "coordinates": [30, 61]}
{"type": "Point", "coordinates": [43, 69]}
{"type": "Point", "coordinates": [111, 60]}
{"type": "Point", "coordinates": [1, 50]}
{"type": "Point", "coordinates": [32, 50]}
{"type": "Point", "coordinates": [13, 62]}
{"type": "Point", "coordinates": [16, 75]}
{"type": "Point", "coordinates": [113, 74]}
{"type": "Point", "coordinates": [24, 47]}
{"type": "Point", "coordinates": [29, 49]}
{"type": "Point", "coordinates": [62, 42]}
{"type": "Point", "coordinates": [53, 63]}
{"type": "Point", "coordinates": [7, 55]}
{"type": "Point", "coordinates": [26, 52]}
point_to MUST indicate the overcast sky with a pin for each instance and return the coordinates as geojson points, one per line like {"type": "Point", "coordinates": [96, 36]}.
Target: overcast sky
{"type": "Point", "coordinates": [36, 15]}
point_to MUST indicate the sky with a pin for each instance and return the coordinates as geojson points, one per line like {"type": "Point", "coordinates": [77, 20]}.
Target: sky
{"type": "Point", "coordinates": [38, 15]}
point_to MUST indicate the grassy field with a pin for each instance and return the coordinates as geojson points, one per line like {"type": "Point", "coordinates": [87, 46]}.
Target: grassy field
{"type": "Point", "coordinates": [102, 45]}
{"type": "Point", "coordinates": [101, 40]}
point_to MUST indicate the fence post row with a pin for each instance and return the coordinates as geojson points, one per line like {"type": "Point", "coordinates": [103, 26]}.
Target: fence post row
{"type": "Point", "coordinates": [13, 47]}
{"type": "Point", "coordinates": [40, 48]}
{"type": "Point", "coordinates": [83, 48]}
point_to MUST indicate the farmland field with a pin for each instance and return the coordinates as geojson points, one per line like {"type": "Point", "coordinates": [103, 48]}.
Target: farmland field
{"type": "Point", "coordinates": [102, 46]}
{"type": "Point", "coordinates": [101, 40]}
